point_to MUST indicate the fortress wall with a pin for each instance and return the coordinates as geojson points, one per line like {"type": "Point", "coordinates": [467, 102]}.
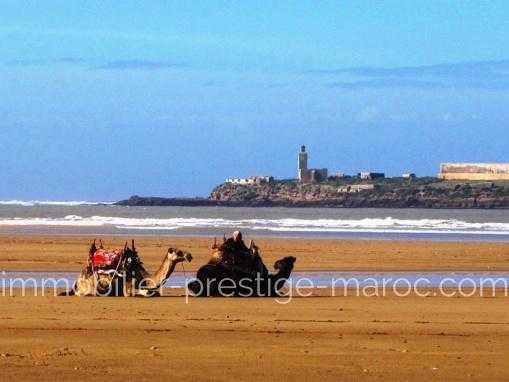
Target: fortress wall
{"type": "Point", "coordinates": [470, 176]}
{"type": "Point", "coordinates": [474, 171]}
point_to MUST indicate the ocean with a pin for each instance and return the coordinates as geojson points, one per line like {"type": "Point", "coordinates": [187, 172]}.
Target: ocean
{"type": "Point", "coordinates": [84, 218]}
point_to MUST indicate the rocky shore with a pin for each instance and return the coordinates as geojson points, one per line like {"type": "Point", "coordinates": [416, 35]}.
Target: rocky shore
{"type": "Point", "coordinates": [386, 193]}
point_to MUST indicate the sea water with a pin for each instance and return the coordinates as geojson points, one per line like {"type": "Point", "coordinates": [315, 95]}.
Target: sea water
{"type": "Point", "coordinates": [60, 218]}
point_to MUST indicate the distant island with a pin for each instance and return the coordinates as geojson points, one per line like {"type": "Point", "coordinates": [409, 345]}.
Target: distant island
{"type": "Point", "coordinates": [459, 185]}
{"type": "Point", "coordinates": [425, 192]}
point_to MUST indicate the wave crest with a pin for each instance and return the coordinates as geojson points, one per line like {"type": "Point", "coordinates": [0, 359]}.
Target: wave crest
{"type": "Point", "coordinates": [387, 224]}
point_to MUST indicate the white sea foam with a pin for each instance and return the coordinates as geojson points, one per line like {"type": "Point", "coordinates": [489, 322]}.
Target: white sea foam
{"type": "Point", "coordinates": [31, 203]}
{"type": "Point", "coordinates": [387, 224]}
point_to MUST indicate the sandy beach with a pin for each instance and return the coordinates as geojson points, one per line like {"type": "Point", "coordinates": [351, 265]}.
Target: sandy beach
{"type": "Point", "coordinates": [68, 253]}
{"type": "Point", "coordinates": [343, 338]}
{"type": "Point", "coordinates": [227, 339]}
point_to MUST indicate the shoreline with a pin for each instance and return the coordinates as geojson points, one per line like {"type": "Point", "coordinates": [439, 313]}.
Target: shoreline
{"type": "Point", "coordinates": [260, 234]}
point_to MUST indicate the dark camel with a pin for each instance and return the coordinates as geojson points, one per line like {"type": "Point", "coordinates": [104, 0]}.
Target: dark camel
{"type": "Point", "coordinates": [218, 278]}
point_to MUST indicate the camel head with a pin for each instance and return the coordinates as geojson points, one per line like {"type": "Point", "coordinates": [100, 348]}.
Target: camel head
{"type": "Point", "coordinates": [178, 256]}
{"type": "Point", "coordinates": [285, 264]}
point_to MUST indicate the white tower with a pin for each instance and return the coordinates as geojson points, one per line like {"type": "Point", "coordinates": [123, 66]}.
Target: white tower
{"type": "Point", "coordinates": [302, 170]}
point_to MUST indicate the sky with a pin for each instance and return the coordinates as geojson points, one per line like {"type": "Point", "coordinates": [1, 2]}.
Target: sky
{"type": "Point", "coordinates": [100, 100]}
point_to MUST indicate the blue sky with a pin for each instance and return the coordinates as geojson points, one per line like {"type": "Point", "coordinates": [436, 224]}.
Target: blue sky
{"type": "Point", "coordinates": [103, 99]}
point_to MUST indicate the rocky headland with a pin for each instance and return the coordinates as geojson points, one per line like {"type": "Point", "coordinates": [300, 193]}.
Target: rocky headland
{"type": "Point", "coordinates": [347, 193]}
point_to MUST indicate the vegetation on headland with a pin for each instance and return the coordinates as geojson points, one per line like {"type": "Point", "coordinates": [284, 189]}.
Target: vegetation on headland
{"type": "Point", "coordinates": [426, 192]}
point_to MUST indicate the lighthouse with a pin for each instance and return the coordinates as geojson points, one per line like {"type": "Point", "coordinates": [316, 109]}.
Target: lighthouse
{"type": "Point", "coordinates": [302, 169]}
{"type": "Point", "coordinates": [309, 175]}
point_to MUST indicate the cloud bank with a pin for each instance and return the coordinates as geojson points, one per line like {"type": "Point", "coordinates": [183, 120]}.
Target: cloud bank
{"type": "Point", "coordinates": [139, 65]}
{"type": "Point", "coordinates": [49, 61]}
{"type": "Point", "coordinates": [91, 64]}
{"type": "Point", "coordinates": [492, 75]}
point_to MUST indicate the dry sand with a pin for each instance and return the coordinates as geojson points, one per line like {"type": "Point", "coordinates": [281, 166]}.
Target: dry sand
{"type": "Point", "coordinates": [336, 339]}
{"type": "Point", "coordinates": [314, 338]}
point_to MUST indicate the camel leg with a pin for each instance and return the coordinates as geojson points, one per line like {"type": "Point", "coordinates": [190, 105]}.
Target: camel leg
{"type": "Point", "coordinates": [69, 292]}
{"type": "Point", "coordinates": [85, 286]}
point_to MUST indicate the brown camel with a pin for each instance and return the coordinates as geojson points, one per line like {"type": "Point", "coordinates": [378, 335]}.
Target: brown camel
{"type": "Point", "coordinates": [228, 274]}
{"type": "Point", "coordinates": [129, 277]}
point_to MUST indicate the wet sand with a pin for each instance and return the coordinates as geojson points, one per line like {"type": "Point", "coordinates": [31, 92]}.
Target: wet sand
{"type": "Point", "coordinates": [320, 337]}
{"type": "Point", "coordinates": [68, 253]}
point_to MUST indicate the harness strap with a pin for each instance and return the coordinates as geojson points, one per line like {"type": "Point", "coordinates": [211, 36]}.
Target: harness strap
{"type": "Point", "coordinates": [111, 272]}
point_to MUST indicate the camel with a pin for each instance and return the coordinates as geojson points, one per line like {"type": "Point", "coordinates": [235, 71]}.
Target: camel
{"type": "Point", "coordinates": [129, 277]}
{"type": "Point", "coordinates": [221, 278]}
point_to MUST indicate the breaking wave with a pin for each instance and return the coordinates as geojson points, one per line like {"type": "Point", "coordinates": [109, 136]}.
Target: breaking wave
{"type": "Point", "coordinates": [31, 203]}
{"type": "Point", "coordinates": [387, 224]}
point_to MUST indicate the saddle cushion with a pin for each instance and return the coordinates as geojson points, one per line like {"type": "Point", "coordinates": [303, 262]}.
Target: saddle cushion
{"type": "Point", "coordinates": [103, 258]}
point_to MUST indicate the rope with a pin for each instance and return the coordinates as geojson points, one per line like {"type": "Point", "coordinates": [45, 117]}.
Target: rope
{"type": "Point", "coordinates": [183, 270]}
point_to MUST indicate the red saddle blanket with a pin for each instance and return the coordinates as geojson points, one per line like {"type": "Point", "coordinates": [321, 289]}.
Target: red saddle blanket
{"type": "Point", "coordinates": [103, 258]}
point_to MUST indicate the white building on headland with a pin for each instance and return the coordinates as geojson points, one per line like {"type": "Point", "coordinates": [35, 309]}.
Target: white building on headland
{"type": "Point", "coordinates": [354, 188]}
{"type": "Point", "coordinates": [367, 175]}
{"type": "Point", "coordinates": [251, 180]}
{"type": "Point", "coordinates": [305, 174]}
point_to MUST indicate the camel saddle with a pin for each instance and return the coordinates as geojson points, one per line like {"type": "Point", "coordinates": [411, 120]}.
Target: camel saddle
{"type": "Point", "coordinates": [103, 258]}
{"type": "Point", "coordinates": [235, 255]}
